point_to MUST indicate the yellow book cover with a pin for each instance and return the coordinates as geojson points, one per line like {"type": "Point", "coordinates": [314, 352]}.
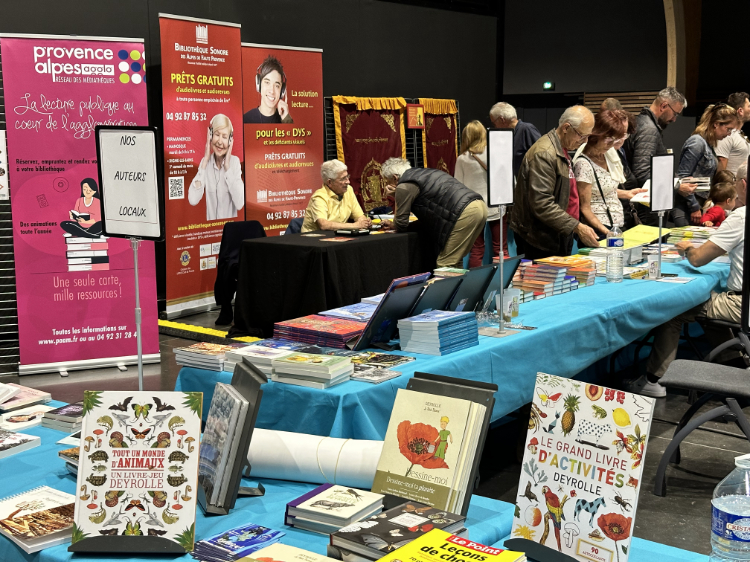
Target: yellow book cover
{"type": "Point", "coordinates": [440, 546]}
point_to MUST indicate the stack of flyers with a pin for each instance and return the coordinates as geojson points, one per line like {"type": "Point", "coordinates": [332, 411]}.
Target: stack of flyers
{"type": "Point", "coordinates": [235, 543]}
{"type": "Point", "coordinates": [375, 375]}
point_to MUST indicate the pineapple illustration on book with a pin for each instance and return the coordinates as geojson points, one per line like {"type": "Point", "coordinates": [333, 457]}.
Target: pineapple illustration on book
{"type": "Point", "coordinates": [569, 417]}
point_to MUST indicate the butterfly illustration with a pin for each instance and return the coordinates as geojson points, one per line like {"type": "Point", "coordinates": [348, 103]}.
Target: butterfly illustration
{"type": "Point", "coordinates": [373, 541]}
{"type": "Point", "coordinates": [140, 434]}
{"type": "Point", "coordinates": [409, 508]}
{"type": "Point", "coordinates": [156, 533]}
{"type": "Point", "coordinates": [133, 529]}
{"type": "Point", "coordinates": [135, 504]}
{"type": "Point", "coordinates": [108, 532]}
{"type": "Point", "coordinates": [122, 406]}
{"type": "Point", "coordinates": [141, 410]}
{"type": "Point", "coordinates": [160, 406]}
{"type": "Point", "coordinates": [546, 399]}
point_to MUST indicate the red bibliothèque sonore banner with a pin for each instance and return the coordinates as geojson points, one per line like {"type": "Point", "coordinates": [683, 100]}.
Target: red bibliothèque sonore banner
{"type": "Point", "coordinates": [202, 95]}
{"type": "Point", "coordinates": [75, 287]}
{"type": "Point", "coordinates": [283, 124]}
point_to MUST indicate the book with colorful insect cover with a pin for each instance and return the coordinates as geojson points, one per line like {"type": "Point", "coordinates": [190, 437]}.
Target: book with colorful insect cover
{"type": "Point", "coordinates": [137, 471]}
{"type": "Point", "coordinates": [429, 449]}
{"type": "Point", "coordinates": [582, 469]}
{"type": "Point", "coordinates": [439, 546]}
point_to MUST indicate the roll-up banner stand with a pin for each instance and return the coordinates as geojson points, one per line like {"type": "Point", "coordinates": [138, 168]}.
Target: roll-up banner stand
{"type": "Point", "coordinates": [201, 66]}
{"type": "Point", "coordinates": [73, 282]}
{"type": "Point", "coordinates": [283, 124]}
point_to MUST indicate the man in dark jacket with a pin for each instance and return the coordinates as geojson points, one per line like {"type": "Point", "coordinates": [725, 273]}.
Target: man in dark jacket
{"type": "Point", "coordinates": [546, 208]}
{"type": "Point", "coordinates": [647, 141]}
{"type": "Point", "coordinates": [450, 211]}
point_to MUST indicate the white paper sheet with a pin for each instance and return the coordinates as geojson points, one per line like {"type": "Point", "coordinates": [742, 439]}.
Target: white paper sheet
{"type": "Point", "coordinates": [311, 458]}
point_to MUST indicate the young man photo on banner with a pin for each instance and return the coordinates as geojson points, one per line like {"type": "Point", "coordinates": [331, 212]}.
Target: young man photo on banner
{"type": "Point", "coordinates": [219, 174]}
{"type": "Point", "coordinates": [270, 83]}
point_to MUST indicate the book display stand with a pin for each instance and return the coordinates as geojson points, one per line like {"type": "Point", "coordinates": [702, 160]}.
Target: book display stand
{"type": "Point", "coordinates": [248, 381]}
{"type": "Point", "coordinates": [474, 391]}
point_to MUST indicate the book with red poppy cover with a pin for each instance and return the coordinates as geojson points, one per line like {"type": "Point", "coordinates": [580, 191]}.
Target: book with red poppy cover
{"type": "Point", "coordinates": [429, 449]}
{"type": "Point", "coordinates": [582, 467]}
{"type": "Point", "coordinates": [397, 527]}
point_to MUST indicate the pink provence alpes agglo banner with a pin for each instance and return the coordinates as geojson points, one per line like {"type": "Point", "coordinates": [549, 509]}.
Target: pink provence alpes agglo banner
{"type": "Point", "coordinates": [76, 291]}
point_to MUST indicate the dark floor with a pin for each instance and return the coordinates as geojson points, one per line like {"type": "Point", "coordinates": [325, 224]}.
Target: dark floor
{"type": "Point", "coordinates": [681, 519]}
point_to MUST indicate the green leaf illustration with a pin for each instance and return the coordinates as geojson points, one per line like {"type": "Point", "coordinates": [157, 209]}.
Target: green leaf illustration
{"type": "Point", "coordinates": [91, 400]}
{"type": "Point", "coordinates": [78, 534]}
{"type": "Point", "coordinates": [194, 401]}
{"type": "Point", "coordinates": [187, 537]}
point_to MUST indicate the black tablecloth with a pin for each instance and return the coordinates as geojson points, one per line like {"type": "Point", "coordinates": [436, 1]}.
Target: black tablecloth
{"type": "Point", "coordinates": [286, 277]}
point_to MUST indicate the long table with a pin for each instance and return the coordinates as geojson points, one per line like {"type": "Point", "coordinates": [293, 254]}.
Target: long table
{"type": "Point", "coordinates": [488, 520]}
{"type": "Point", "coordinates": [574, 331]}
{"type": "Point", "coordinates": [285, 277]}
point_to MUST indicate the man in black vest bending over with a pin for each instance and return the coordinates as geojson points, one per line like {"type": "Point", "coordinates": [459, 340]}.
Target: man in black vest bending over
{"type": "Point", "coordinates": [450, 211]}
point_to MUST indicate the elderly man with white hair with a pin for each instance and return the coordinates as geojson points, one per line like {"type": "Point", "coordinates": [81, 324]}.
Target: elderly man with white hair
{"type": "Point", "coordinates": [546, 205]}
{"type": "Point", "coordinates": [450, 212]}
{"type": "Point", "coordinates": [331, 206]}
{"type": "Point", "coordinates": [503, 116]}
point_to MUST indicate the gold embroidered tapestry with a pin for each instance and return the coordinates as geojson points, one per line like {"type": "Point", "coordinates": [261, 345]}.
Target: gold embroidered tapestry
{"type": "Point", "coordinates": [368, 132]}
{"type": "Point", "coordinates": [440, 135]}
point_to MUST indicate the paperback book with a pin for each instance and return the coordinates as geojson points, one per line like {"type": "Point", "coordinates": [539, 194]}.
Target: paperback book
{"type": "Point", "coordinates": [439, 546]}
{"type": "Point", "coordinates": [37, 519]}
{"type": "Point", "coordinates": [138, 465]}
{"type": "Point", "coordinates": [374, 375]}
{"type": "Point", "coordinates": [360, 312]}
{"type": "Point", "coordinates": [373, 538]}
{"type": "Point", "coordinates": [284, 553]}
{"type": "Point", "coordinates": [429, 449]}
{"type": "Point", "coordinates": [24, 396]}
{"type": "Point", "coordinates": [68, 413]}
{"type": "Point", "coordinates": [12, 442]}
{"type": "Point", "coordinates": [235, 543]}
{"type": "Point", "coordinates": [7, 392]}
{"type": "Point", "coordinates": [328, 507]}
{"type": "Point", "coordinates": [24, 418]}
{"type": "Point", "coordinates": [70, 455]}
{"type": "Point", "coordinates": [582, 468]}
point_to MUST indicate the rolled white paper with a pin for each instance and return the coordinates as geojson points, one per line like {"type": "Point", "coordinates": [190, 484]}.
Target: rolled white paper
{"type": "Point", "coordinates": [311, 458]}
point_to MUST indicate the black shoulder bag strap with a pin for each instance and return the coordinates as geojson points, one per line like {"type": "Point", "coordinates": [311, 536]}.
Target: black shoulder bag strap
{"type": "Point", "coordinates": [601, 193]}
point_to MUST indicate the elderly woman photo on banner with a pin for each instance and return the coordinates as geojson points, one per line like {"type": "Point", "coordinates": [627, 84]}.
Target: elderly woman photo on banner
{"type": "Point", "coordinates": [439, 138]}
{"type": "Point", "coordinates": [368, 132]}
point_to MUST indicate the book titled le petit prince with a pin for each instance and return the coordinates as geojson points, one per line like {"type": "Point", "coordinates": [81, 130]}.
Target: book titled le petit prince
{"type": "Point", "coordinates": [138, 465]}
{"type": "Point", "coordinates": [582, 466]}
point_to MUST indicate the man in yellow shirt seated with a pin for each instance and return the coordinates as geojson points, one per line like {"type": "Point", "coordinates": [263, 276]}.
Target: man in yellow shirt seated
{"type": "Point", "coordinates": [334, 204]}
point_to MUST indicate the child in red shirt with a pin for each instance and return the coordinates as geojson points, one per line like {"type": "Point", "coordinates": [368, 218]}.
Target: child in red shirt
{"type": "Point", "coordinates": [724, 197]}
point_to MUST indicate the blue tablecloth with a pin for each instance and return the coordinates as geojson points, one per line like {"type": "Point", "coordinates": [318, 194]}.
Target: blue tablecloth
{"type": "Point", "coordinates": [574, 331]}
{"type": "Point", "coordinates": [488, 520]}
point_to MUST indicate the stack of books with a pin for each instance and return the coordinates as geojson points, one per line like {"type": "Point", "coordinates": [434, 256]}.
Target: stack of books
{"type": "Point", "coordinates": [260, 356]}
{"type": "Point", "coordinates": [279, 343]}
{"type": "Point", "coordinates": [313, 371]}
{"type": "Point", "coordinates": [221, 438]}
{"type": "Point", "coordinates": [66, 418]}
{"type": "Point", "coordinates": [23, 396]}
{"type": "Point", "coordinates": [438, 332]}
{"type": "Point", "coordinates": [540, 279]}
{"type": "Point", "coordinates": [24, 418]}
{"type": "Point", "coordinates": [427, 433]}
{"type": "Point", "coordinates": [7, 391]}
{"type": "Point", "coordinates": [397, 527]}
{"type": "Point", "coordinates": [204, 355]}
{"type": "Point", "coordinates": [328, 508]}
{"type": "Point", "coordinates": [70, 456]}
{"type": "Point", "coordinates": [38, 519]}
{"type": "Point", "coordinates": [87, 254]}
{"type": "Point", "coordinates": [235, 544]}
{"type": "Point", "coordinates": [319, 330]}
{"type": "Point", "coordinates": [583, 269]}
{"type": "Point", "coordinates": [698, 235]}
{"type": "Point", "coordinates": [12, 442]}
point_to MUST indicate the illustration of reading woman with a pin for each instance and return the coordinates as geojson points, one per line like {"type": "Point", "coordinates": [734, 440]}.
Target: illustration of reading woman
{"type": "Point", "coordinates": [442, 440]}
{"type": "Point", "coordinates": [219, 174]}
{"type": "Point", "coordinates": [86, 217]}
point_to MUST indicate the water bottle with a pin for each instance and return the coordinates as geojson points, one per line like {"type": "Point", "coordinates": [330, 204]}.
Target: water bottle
{"type": "Point", "coordinates": [730, 518]}
{"type": "Point", "coordinates": [615, 243]}
{"type": "Point", "coordinates": [614, 238]}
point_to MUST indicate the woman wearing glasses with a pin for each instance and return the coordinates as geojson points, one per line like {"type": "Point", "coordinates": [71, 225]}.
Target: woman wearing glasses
{"type": "Point", "coordinates": [599, 173]}
{"type": "Point", "coordinates": [698, 159]}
